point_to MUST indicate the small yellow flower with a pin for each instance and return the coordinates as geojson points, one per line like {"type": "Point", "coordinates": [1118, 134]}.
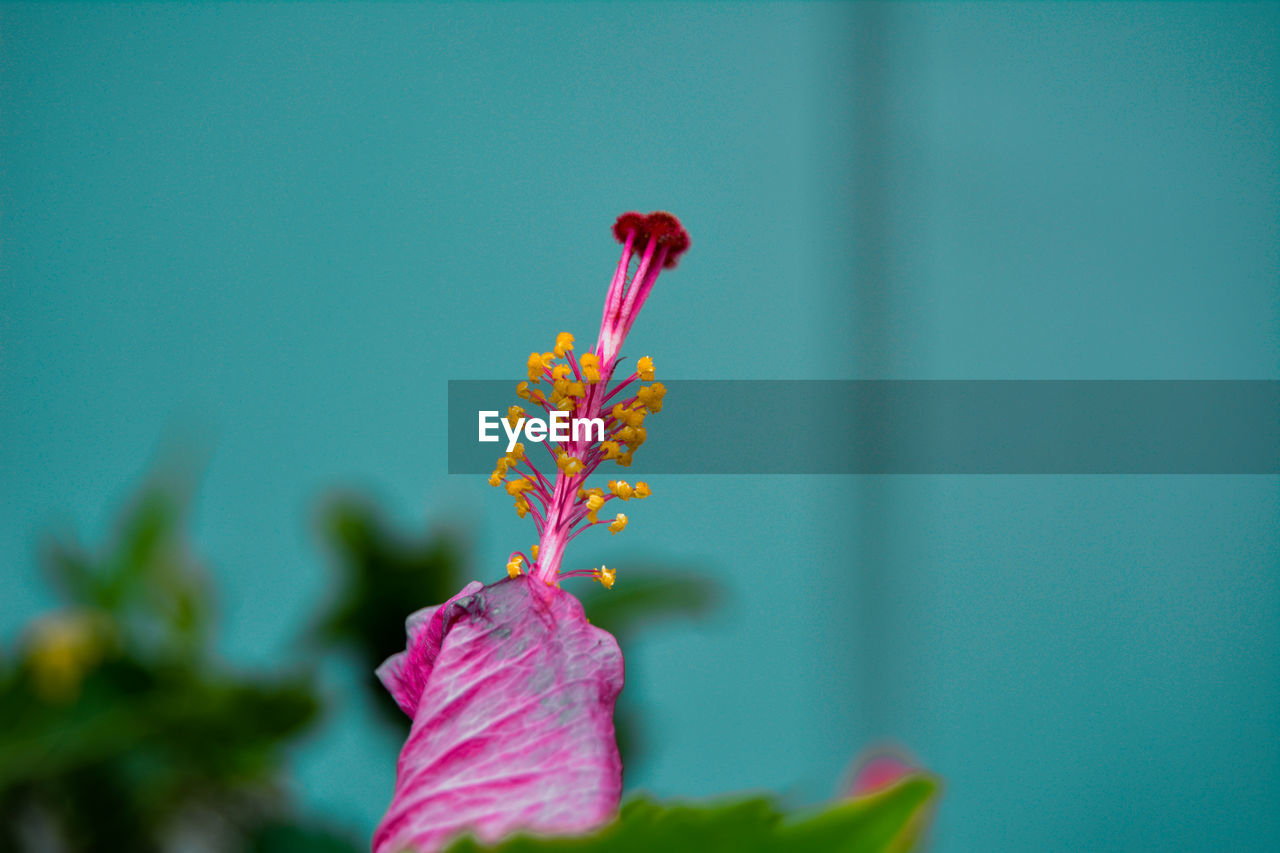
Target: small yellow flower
{"type": "Point", "coordinates": [62, 650]}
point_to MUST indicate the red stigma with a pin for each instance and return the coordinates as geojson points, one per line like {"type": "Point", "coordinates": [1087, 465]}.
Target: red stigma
{"type": "Point", "coordinates": [659, 226]}
{"type": "Point", "coordinates": [627, 223]}
{"type": "Point", "coordinates": [669, 233]}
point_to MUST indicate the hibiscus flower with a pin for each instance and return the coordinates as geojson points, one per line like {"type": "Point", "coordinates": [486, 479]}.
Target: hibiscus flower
{"type": "Point", "coordinates": [510, 689]}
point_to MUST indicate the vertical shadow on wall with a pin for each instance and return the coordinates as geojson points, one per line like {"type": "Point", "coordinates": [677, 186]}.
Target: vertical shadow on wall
{"type": "Point", "coordinates": [867, 307]}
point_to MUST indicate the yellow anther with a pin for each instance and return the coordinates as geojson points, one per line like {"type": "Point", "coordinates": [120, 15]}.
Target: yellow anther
{"type": "Point", "coordinates": [638, 437]}
{"type": "Point", "coordinates": [534, 551]}
{"type": "Point", "coordinates": [626, 435]}
{"type": "Point", "coordinates": [561, 371]}
{"type": "Point", "coordinates": [618, 524]}
{"type": "Point", "coordinates": [522, 391]}
{"type": "Point", "coordinates": [642, 490]}
{"type": "Point", "coordinates": [513, 458]}
{"type": "Point", "coordinates": [630, 417]}
{"type": "Point", "coordinates": [610, 449]}
{"type": "Point", "coordinates": [625, 459]}
{"type": "Point", "coordinates": [590, 367]}
{"type": "Point", "coordinates": [564, 343]}
{"type": "Point", "coordinates": [514, 414]}
{"type": "Point", "coordinates": [569, 464]}
{"type": "Point", "coordinates": [583, 494]}
{"type": "Point", "coordinates": [606, 576]}
{"type": "Point", "coordinates": [537, 363]}
{"type": "Point", "coordinates": [522, 506]}
{"type": "Point", "coordinates": [536, 396]}
{"type": "Point", "coordinates": [594, 503]}
{"type": "Point", "coordinates": [516, 487]}
{"type": "Point", "coordinates": [644, 367]}
{"type": "Point", "coordinates": [565, 392]}
{"type": "Point", "coordinates": [513, 566]}
{"type": "Point", "coordinates": [651, 396]}
{"type": "Point", "coordinates": [622, 489]}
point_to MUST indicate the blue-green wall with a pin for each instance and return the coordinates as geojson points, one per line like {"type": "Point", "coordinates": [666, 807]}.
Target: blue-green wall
{"type": "Point", "coordinates": [278, 230]}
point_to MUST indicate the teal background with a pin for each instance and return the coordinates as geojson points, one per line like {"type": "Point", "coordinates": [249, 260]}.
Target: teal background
{"type": "Point", "coordinates": [274, 232]}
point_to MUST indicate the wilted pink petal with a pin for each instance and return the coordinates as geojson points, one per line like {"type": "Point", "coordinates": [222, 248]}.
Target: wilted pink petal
{"type": "Point", "coordinates": [878, 772]}
{"type": "Point", "coordinates": [511, 692]}
{"type": "Point", "coordinates": [405, 674]}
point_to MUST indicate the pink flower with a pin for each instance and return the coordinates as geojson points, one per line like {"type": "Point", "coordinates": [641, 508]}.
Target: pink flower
{"type": "Point", "coordinates": [879, 771]}
{"type": "Point", "coordinates": [510, 689]}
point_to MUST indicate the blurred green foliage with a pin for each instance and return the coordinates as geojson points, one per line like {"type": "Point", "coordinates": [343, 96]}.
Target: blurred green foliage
{"type": "Point", "coordinates": [889, 821]}
{"type": "Point", "coordinates": [384, 576]}
{"type": "Point", "coordinates": [119, 731]}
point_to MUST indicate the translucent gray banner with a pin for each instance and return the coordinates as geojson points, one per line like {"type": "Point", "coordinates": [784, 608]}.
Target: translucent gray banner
{"type": "Point", "coordinates": [929, 427]}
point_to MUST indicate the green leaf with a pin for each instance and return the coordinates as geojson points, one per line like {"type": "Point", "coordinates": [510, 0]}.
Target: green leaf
{"type": "Point", "coordinates": [72, 572]}
{"type": "Point", "coordinates": [890, 821]}
{"type": "Point", "coordinates": [291, 838]}
{"type": "Point", "coordinates": [145, 729]}
{"type": "Point", "coordinates": [647, 593]}
{"type": "Point", "coordinates": [384, 576]}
